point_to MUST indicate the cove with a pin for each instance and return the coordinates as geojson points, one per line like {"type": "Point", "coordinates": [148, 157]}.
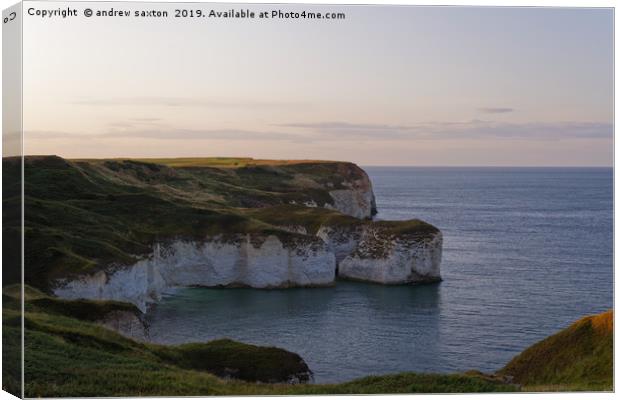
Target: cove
{"type": "Point", "coordinates": [527, 251]}
{"type": "Point", "coordinates": [342, 332]}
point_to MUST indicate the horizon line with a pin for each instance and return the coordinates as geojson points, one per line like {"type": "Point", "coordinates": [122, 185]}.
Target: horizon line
{"type": "Point", "coordinates": [488, 166]}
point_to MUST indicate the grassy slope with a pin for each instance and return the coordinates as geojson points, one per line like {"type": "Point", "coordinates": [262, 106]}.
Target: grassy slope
{"type": "Point", "coordinates": [210, 181]}
{"type": "Point", "coordinates": [579, 357]}
{"type": "Point", "coordinates": [66, 356]}
{"type": "Point", "coordinates": [314, 218]}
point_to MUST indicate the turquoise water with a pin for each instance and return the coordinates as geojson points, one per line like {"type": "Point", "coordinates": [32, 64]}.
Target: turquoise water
{"type": "Point", "coordinates": [526, 252]}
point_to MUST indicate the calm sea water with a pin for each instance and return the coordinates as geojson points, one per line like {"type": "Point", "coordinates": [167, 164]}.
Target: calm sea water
{"type": "Point", "coordinates": [526, 252]}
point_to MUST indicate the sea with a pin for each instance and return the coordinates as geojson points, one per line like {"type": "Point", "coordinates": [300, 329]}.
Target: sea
{"type": "Point", "coordinates": [527, 251]}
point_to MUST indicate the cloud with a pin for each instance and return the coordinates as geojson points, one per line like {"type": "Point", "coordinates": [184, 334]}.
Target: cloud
{"type": "Point", "coordinates": [146, 119]}
{"type": "Point", "coordinates": [161, 101]}
{"type": "Point", "coordinates": [166, 134]}
{"type": "Point", "coordinates": [344, 130]}
{"type": "Point", "coordinates": [473, 129]}
{"type": "Point", "coordinates": [546, 130]}
{"type": "Point", "coordinates": [199, 134]}
{"type": "Point", "coordinates": [326, 132]}
{"type": "Point", "coordinates": [347, 125]}
{"type": "Point", "coordinates": [136, 122]}
{"type": "Point", "coordinates": [42, 134]}
{"type": "Point", "coordinates": [496, 110]}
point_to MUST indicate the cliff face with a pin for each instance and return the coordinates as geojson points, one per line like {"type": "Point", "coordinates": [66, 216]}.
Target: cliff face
{"type": "Point", "coordinates": [399, 260]}
{"type": "Point", "coordinates": [356, 197]}
{"type": "Point", "coordinates": [339, 186]}
{"type": "Point", "coordinates": [359, 250]}
{"type": "Point", "coordinates": [129, 230]}
{"type": "Point", "coordinates": [244, 260]}
{"type": "Point", "coordinates": [358, 203]}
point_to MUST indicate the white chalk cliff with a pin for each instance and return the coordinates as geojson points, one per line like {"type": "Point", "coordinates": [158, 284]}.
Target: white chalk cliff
{"type": "Point", "coordinates": [351, 248]}
{"type": "Point", "coordinates": [357, 200]}
{"type": "Point", "coordinates": [244, 260]}
{"type": "Point", "coordinates": [355, 196]}
{"type": "Point", "coordinates": [401, 261]}
{"type": "Point", "coordinates": [360, 254]}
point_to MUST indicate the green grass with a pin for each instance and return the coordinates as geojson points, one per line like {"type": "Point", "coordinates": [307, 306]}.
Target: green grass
{"type": "Point", "coordinates": [87, 310]}
{"type": "Point", "coordinates": [82, 216]}
{"type": "Point", "coordinates": [69, 356]}
{"type": "Point", "coordinates": [222, 162]}
{"type": "Point", "coordinates": [312, 219]}
{"type": "Point", "coordinates": [66, 356]}
{"type": "Point", "coordinates": [579, 357]}
{"type": "Point", "coordinates": [248, 362]}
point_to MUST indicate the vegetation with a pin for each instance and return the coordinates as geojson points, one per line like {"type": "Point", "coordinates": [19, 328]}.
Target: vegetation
{"type": "Point", "coordinates": [222, 162]}
{"type": "Point", "coordinates": [579, 357]}
{"type": "Point", "coordinates": [246, 362]}
{"type": "Point", "coordinates": [312, 219]}
{"type": "Point", "coordinates": [83, 215]}
{"type": "Point", "coordinates": [86, 215]}
{"type": "Point", "coordinates": [66, 356]}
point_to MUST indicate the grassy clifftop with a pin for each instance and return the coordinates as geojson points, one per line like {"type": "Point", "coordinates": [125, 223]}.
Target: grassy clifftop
{"type": "Point", "coordinates": [83, 215]}
{"type": "Point", "coordinates": [579, 357]}
{"type": "Point", "coordinates": [221, 162]}
{"type": "Point", "coordinates": [312, 219]}
{"type": "Point", "coordinates": [229, 182]}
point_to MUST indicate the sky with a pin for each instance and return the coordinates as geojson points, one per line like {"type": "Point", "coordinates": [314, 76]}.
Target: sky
{"type": "Point", "coordinates": [400, 85]}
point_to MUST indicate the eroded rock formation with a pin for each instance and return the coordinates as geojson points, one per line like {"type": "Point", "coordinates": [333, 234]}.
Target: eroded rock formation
{"type": "Point", "coordinates": [131, 229]}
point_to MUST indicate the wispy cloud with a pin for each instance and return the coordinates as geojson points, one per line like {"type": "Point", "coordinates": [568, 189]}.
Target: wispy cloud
{"type": "Point", "coordinates": [166, 134]}
{"type": "Point", "coordinates": [344, 131]}
{"type": "Point", "coordinates": [472, 129]}
{"type": "Point", "coordinates": [347, 125]}
{"type": "Point", "coordinates": [545, 130]}
{"type": "Point", "coordinates": [184, 102]}
{"type": "Point", "coordinates": [199, 134]}
{"type": "Point", "coordinates": [495, 110]}
{"type": "Point", "coordinates": [137, 122]}
{"type": "Point", "coordinates": [43, 134]}
{"type": "Point", "coordinates": [149, 120]}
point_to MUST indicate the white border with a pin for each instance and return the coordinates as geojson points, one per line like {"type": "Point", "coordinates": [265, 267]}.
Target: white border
{"type": "Point", "coordinates": [487, 3]}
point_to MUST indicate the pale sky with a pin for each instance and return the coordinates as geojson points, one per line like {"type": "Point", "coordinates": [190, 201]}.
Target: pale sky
{"type": "Point", "coordinates": [387, 86]}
